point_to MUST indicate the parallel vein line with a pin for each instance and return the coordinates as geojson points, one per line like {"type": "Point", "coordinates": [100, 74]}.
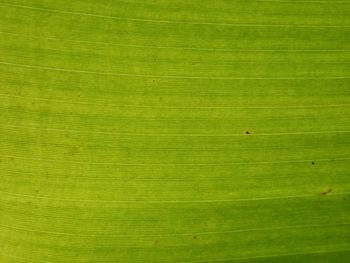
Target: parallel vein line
{"type": "Point", "coordinates": [268, 256]}
{"type": "Point", "coordinates": [175, 107]}
{"type": "Point", "coordinates": [177, 164]}
{"type": "Point", "coordinates": [51, 10]}
{"type": "Point", "coordinates": [166, 201]}
{"type": "Point", "coordinates": [175, 134]}
{"type": "Point", "coordinates": [165, 76]}
{"type": "Point", "coordinates": [174, 47]}
{"type": "Point", "coordinates": [177, 234]}
{"type": "Point", "coordinates": [209, 260]}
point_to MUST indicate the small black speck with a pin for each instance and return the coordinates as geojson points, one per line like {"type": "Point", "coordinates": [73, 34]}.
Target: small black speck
{"type": "Point", "coordinates": [247, 132]}
{"type": "Point", "coordinates": [313, 163]}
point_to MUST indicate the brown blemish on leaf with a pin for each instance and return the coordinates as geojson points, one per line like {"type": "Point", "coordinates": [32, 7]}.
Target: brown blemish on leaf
{"type": "Point", "coordinates": [326, 192]}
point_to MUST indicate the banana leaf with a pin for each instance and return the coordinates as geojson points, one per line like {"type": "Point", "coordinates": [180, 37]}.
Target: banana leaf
{"type": "Point", "coordinates": [181, 131]}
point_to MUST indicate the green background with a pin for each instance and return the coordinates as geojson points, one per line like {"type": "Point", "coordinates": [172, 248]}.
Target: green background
{"type": "Point", "coordinates": [174, 131]}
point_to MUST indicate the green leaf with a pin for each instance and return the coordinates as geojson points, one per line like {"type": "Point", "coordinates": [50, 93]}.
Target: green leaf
{"type": "Point", "coordinates": [174, 131]}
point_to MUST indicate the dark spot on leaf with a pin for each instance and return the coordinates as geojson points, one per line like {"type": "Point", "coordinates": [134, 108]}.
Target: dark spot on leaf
{"type": "Point", "coordinates": [247, 132]}
{"type": "Point", "coordinates": [327, 192]}
{"type": "Point", "coordinates": [156, 241]}
{"type": "Point", "coordinates": [194, 237]}
{"type": "Point", "coordinates": [313, 163]}
{"type": "Point", "coordinates": [344, 198]}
